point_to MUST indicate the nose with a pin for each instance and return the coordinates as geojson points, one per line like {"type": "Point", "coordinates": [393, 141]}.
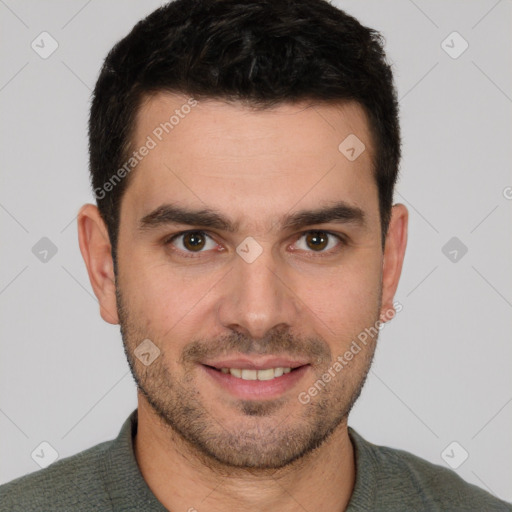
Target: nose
{"type": "Point", "coordinates": [258, 296]}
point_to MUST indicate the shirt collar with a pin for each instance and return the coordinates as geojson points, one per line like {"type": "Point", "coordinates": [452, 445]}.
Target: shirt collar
{"type": "Point", "coordinates": [124, 482]}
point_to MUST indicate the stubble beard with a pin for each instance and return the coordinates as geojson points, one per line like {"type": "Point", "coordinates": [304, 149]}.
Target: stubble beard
{"type": "Point", "coordinates": [257, 437]}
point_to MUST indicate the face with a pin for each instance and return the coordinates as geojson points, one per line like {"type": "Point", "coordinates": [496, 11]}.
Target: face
{"type": "Point", "coordinates": [250, 256]}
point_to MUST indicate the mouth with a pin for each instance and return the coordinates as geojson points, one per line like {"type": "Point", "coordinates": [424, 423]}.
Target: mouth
{"type": "Point", "coordinates": [256, 380]}
{"type": "Point", "coordinates": [251, 374]}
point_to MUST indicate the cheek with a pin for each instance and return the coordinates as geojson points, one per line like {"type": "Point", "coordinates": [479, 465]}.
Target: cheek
{"type": "Point", "coordinates": [346, 300]}
{"type": "Point", "coordinates": [163, 299]}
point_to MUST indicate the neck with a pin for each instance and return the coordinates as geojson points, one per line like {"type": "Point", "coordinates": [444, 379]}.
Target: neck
{"type": "Point", "coordinates": [181, 479]}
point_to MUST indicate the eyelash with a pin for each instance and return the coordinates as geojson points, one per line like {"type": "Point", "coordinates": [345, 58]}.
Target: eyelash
{"type": "Point", "coordinates": [311, 254]}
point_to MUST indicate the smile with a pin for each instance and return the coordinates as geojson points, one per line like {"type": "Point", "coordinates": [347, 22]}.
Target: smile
{"type": "Point", "coordinates": [269, 380]}
{"type": "Point", "coordinates": [264, 374]}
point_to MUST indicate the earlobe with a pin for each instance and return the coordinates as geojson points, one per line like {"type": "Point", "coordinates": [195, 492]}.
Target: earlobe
{"type": "Point", "coordinates": [97, 254]}
{"type": "Point", "coordinates": [394, 252]}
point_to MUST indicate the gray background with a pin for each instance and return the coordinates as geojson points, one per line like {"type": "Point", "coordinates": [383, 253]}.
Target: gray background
{"type": "Point", "coordinates": [442, 369]}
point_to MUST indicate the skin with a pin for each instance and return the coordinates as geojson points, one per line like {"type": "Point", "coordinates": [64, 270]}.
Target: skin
{"type": "Point", "coordinates": [198, 445]}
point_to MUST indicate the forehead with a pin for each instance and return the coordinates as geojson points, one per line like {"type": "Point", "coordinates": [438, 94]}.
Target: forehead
{"type": "Point", "coordinates": [227, 156]}
{"type": "Point", "coordinates": [164, 114]}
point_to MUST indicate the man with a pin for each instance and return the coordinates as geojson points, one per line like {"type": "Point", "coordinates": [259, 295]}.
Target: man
{"type": "Point", "coordinates": [243, 156]}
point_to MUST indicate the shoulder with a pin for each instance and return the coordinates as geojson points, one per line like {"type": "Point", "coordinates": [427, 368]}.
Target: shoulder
{"type": "Point", "coordinates": [72, 483]}
{"type": "Point", "coordinates": [401, 479]}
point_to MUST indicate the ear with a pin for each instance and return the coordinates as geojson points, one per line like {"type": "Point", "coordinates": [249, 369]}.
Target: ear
{"type": "Point", "coordinates": [97, 253]}
{"type": "Point", "coordinates": [394, 252]}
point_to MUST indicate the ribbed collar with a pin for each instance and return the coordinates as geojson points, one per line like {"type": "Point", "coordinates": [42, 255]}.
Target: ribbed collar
{"type": "Point", "coordinates": [363, 495]}
{"type": "Point", "coordinates": [124, 483]}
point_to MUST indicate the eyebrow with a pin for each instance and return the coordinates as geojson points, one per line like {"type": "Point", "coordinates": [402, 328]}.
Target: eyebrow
{"type": "Point", "coordinates": [340, 212]}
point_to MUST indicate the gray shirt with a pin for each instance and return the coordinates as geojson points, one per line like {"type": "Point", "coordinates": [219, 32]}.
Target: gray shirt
{"type": "Point", "coordinates": [106, 477]}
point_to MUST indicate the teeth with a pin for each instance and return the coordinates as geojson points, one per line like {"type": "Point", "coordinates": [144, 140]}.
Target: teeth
{"type": "Point", "coordinates": [278, 372]}
{"type": "Point", "coordinates": [267, 374]}
{"type": "Point", "coordinates": [236, 373]}
{"type": "Point", "coordinates": [250, 375]}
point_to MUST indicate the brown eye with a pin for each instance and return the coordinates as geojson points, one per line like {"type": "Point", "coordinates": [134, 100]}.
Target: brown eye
{"type": "Point", "coordinates": [317, 240]}
{"type": "Point", "coordinates": [324, 243]}
{"type": "Point", "coordinates": [194, 241]}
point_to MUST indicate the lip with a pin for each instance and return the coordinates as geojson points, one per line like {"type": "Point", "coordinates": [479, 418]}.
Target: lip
{"type": "Point", "coordinates": [256, 389]}
{"type": "Point", "coordinates": [261, 363]}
